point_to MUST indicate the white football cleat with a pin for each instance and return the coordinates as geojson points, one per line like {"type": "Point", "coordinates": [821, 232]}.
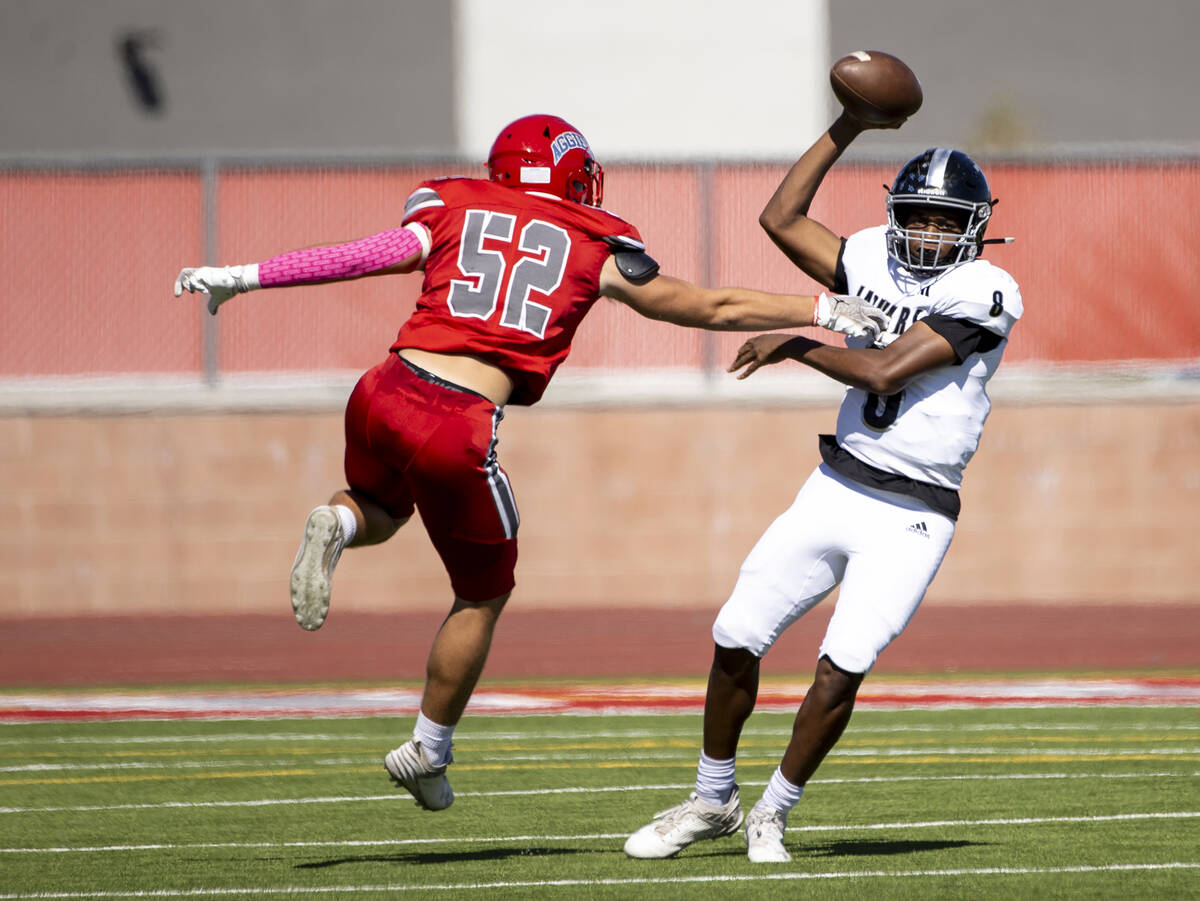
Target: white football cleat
{"type": "Point", "coordinates": [409, 767]}
{"type": "Point", "coordinates": [676, 828]}
{"type": "Point", "coordinates": [312, 571]}
{"type": "Point", "coordinates": [764, 835]}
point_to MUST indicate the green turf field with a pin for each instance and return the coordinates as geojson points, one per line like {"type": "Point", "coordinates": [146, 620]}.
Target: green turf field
{"type": "Point", "coordinates": [1094, 802]}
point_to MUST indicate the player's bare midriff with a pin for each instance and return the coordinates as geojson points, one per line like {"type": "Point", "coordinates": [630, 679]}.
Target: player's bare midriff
{"type": "Point", "coordinates": [465, 370]}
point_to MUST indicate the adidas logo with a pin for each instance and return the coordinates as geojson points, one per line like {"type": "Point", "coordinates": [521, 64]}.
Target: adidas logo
{"type": "Point", "coordinates": [919, 528]}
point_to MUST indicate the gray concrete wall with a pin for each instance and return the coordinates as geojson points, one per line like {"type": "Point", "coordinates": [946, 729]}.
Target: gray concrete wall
{"type": "Point", "coordinates": [312, 76]}
{"type": "Point", "coordinates": [229, 76]}
{"type": "Point", "coordinates": [1012, 74]}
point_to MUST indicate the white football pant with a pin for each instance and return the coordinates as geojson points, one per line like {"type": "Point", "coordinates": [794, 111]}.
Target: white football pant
{"type": "Point", "coordinates": [883, 548]}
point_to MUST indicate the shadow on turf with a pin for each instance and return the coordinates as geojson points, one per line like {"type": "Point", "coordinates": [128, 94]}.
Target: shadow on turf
{"type": "Point", "coordinates": [869, 849]}
{"type": "Point", "coordinates": [802, 849]}
{"type": "Point", "coordinates": [432, 857]}
{"type": "Point", "coordinates": [828, 849]}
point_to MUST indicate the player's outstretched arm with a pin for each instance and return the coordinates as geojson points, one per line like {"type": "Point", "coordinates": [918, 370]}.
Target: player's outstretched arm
{"type": "Point", "coordinates": [882, 371]}
{"type": "Point", "coordinates": [806, 242]}
{"type": "Point", "coordinates": [388, 252]}
{"type": "Point", "coordinates": [219, 283]}
{"type": "Point", "coordinates": [674, 300]}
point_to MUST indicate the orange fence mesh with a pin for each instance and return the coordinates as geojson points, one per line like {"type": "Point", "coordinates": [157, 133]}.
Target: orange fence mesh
{"type": "Point", "coordinates": [1105, 256]}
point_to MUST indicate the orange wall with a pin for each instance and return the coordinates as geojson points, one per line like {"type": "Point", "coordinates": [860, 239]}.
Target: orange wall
{"type": "Point", "coordinates": [1105, 257]}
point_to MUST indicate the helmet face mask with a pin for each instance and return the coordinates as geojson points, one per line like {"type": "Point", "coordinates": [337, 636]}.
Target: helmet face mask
{"type": "Point", "coordinates": [940, 183]}
{"type": "Point", "coordinates": [547, 154]}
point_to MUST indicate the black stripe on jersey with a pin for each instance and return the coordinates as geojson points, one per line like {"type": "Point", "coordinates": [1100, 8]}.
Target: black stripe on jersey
{"type": "Point", "coordinates": [965, 336]}
{"type": "Point", "coordinates": [938, 499]}
{"type": "Point", "coordinates": [840, 284]}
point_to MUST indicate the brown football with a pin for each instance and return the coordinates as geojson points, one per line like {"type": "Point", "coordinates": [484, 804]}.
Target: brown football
{"type": "Point", "coordinates": [875, 87]}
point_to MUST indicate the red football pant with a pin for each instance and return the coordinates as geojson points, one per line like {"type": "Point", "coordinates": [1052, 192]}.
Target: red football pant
{"type": "Point", "coordinates": [411, 441]}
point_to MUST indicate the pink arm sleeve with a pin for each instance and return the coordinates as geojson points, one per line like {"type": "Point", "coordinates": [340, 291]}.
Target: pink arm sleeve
{"type": "Point", "coordinates": [339, 261]}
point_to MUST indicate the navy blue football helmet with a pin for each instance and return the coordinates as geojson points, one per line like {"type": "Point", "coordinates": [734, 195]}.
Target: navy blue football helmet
{"type": "Point", "coordinates": [948, 181]}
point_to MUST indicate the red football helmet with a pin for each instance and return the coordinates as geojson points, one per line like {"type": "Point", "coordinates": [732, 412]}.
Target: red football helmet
{"type": "Point", "coordinates": [546, 153]}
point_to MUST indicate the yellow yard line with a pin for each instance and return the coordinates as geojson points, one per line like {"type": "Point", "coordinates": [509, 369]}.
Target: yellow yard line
{"type": "Point", "coordinates": [835, 759]}
{"type": "Point", "coordinates": [163, 777]}
{"type": "Point", "coordinates": [483, 745]}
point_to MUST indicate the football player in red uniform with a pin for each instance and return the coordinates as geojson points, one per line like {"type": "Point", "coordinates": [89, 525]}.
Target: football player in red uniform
{"type": "Point", "coordinates": [511, 266]}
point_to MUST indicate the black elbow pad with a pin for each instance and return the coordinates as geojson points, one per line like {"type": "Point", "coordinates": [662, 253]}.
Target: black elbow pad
{"type": "Point", "coordinates": [636, 266]}
{"type": "Point", "coordinates": [631, 258]}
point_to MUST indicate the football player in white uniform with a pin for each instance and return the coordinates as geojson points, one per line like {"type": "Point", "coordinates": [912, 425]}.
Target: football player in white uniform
{"type": "Point", "coordinates": [877, 515]}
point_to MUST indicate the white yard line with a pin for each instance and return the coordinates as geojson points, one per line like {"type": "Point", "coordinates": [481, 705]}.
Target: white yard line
{"type": "Point", "coordinates": [569, 883]}
{"type": "Point", "coordinates": [394, 797]}
{"type": "Point", "coordinates": [599, 836]}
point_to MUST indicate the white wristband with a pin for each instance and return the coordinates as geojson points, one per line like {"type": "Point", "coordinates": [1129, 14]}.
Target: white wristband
{"type": "Point", "coordinates": [245, 277]}
{"type": "Point", "coordinates": [820, 299]}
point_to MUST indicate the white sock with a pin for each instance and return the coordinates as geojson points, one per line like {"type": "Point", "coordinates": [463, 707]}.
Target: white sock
{"type": "Point", "coordinates": [349, 523]}
{"type": "Point", "coordinates": [781, 795]}
{"type": "Point", "coordinates": [434, 738]}
{"type": "Point", "coordinates": [714, 779]}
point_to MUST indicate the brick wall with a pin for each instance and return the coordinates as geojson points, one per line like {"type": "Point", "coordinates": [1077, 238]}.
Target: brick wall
{"type": "Point", "coordinates": [195, 513]}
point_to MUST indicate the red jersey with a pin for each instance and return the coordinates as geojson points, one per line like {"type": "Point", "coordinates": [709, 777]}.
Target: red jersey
{"type": "Point", "coordinates": [509, 276]}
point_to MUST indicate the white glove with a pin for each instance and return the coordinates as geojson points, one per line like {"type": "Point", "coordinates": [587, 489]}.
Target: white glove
{"type": "Point", "coordinates": [219, 282]}
{"type": "Point", "coordinates": [849, 315]}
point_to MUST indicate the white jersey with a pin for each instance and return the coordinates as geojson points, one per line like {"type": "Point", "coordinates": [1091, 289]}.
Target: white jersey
{"type": "Point", "coordinates": [930, 429]}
